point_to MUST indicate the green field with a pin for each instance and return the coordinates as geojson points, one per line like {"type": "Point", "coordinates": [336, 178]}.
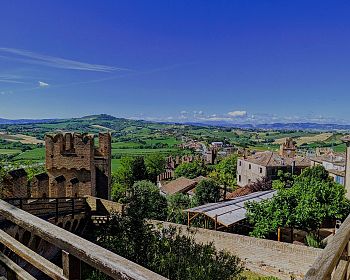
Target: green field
{"type": "Point", "coordinates": [141, 152]}
{"type": "Point", "coordinates": [9, 151]}
{"type": "Point", "coordinates": [339, 148]}
{"type": "Point", "coordinates": [35, 154]}
{"type": "Point", "coordinates": [171, 141]}
{"type": "Point", "coordinates": [123, 145]}
{"type": "Point", "coordinates": [115, 164]}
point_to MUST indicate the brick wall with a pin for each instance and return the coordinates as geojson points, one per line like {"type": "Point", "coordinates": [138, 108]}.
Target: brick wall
{"type": "Point", "coordinates": [40, 186]}
{"type": "Point", "coordinates": [16, 184]}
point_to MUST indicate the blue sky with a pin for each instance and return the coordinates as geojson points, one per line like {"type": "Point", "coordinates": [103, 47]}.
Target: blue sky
{"type": "Point", "coordinates": [238, 61]}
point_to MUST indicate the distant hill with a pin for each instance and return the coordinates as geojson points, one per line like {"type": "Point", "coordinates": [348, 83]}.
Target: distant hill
{"type": "Point", "coordinates": [25, 121]}
{"type": "Point", "coordinates": [279, 126]}
{"type": "Point", "coordinates": [114, 123]}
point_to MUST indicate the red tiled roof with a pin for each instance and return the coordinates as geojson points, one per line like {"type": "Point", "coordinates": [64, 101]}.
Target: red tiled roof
{"type": "Point", "coordinates": [269, 158]}
{"type": "Point", "coordinates": [240, 192]}
{"type": "Point", "coordinates": [181, 184]}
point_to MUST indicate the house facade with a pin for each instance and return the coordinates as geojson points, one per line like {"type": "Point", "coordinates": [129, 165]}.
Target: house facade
{"type": "Point", "coordinates": [267, 164]}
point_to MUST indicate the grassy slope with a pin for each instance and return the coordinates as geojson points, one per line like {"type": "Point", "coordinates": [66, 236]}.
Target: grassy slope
{"type": "Point", "coordinates": [9, 151]}
{"type": "Point", "coordinates": [35, 154]}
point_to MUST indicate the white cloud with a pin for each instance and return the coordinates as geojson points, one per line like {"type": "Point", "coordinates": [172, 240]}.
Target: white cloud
{"type": "Point", "coordinates": [218, 119]}
{"type": "Point", "coordinates": [12, 79]}
{"type": "Point", "coordinates": [184, 112]}
{"type": "Point", "coordinates": [6, 92]}
{"type": "Point", "coordinates": [43, 84]}
{"type": "Point", "coordinates": [52, 61]}
{"type": "Point", "coordinates": [237, 114]}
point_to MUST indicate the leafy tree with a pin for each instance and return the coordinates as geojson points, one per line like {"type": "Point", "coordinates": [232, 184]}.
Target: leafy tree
{"type": "Point", "coordinates": [145, 201]}
{"type": "Point", "coordinates": [130, 170]}
{"type": "Point", "coordinates": [124, 174]}
{"type": "Point", "coordinates": [312, 199]}
{"type": "Point", "coordinates": [139, 169]}
{"type": "Point", "coordinates": [190, 170]}
{"type": "Point", "coordinates": [155, 165]}
{"type": "Point", "coordinates": [2, 175]}
{"type": "Point", "coordinates": [225, 172]}
{"type": "Point", "coordinates": [176, 204]}
{"type": "Point", "coordinates": [33, 168]}
{"type": "Point", "coordinates": [207, 191]}
{"type": "Point", "coordinates": [118, 192]}
{"type": "Point", "coordinates": [166, 251]}
{"type": "Point", "coordinates": [312, 240]}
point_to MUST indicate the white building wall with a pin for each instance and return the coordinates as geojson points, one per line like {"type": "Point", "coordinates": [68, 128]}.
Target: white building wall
{"type": "Point", "coordinates": [248, 172]}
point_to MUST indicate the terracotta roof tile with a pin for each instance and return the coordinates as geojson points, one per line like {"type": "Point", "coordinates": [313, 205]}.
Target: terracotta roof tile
{"type": "Point", "coordinates": [269, 158]}
{"type": "Point", "coordinates": [181, 185]}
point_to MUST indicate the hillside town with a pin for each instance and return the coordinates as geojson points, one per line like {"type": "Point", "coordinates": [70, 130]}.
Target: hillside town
{"type": "Point", "coordinates": [174, 140]}
{"type": "Point", "coordinates": [216, 193]}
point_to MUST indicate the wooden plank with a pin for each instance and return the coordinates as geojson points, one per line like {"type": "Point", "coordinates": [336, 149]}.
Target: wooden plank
{"type": "Point", "coordinates": [71, 266]}
{"type": "Point", "coordinates": [341, 270]}
{"type": "Point", "coordinates": [104, 260]}
{"type": "Point", "coordinates": [326, 262]}
{"type": "Point", "coordinates": [16, 270]}
{"type": "Point", "coordinates": [30, 256]}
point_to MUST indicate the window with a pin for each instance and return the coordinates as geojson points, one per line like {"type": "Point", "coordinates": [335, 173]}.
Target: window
{"type": "Point", "coordinates": [240, 163]}
{"type": "Point", "coordinates": [250, 166]}
{"type": "Point", "coordinates": [249, 181]}
{"type": "Point", "coordinates": [239, 178]}
{"type": "Point", "coordinates": [260, 170]}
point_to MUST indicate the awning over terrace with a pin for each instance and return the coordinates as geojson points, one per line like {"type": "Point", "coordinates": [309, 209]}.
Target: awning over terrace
{"type": "Point", "coordinates": [228, 212]}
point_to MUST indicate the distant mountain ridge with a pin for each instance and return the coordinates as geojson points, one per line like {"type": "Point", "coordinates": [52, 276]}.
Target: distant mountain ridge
{"type": "Point", "coordinates": [272, 126]}
{"type": "Point", "coordinates": [101, 117]}
{"type": "Point", "coordinates": [278, 126]}
{"type": "Point", "coordinates": [25, 121]}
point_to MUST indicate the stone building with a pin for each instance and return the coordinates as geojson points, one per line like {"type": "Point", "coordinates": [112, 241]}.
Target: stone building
{"type": "Point", "coordinates": [333, 162]}
{"type": "Point", "coordinates": [16, 184]}
{"type": "Point", "coordinates": [267, 164]}
{"type": "Point", "coordinates": [75, 167]}
{"type": "Point", "coordinates": [288, 148]}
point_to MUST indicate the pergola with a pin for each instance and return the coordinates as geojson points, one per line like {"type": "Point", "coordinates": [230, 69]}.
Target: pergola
{"type": "Point", "coordinates": [227, 213]}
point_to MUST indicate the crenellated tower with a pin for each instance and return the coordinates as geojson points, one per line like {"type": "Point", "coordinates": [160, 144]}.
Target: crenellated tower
{"type": "Point", "coordinates": [86, 170]}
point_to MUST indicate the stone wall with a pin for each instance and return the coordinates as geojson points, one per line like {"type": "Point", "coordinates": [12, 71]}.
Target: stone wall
{"type": "Point", "coordinates": [103, 207]}
{"type": "Point", "coordinates": [263, 256]}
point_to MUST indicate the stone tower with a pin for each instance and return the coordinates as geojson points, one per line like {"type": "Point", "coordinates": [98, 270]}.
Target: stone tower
{"type": "Point", "coordinates": [288, 148]}
{"type": "Point", "coordinates": [75, 167]}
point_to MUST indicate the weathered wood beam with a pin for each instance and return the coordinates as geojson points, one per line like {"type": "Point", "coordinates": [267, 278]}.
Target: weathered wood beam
{"type": "Point", "coordinates": [104, 260]}
{"type": "Point", "coordinates": [30, 256]}
{"type": "Point", "coordinates": [71, 266]}
{"type": "Point", "coordinates": [324, 265]}
{"type": "Point", "coordinates": [341, 270]}
{"type": "Point", "coordinates": [14, 271]}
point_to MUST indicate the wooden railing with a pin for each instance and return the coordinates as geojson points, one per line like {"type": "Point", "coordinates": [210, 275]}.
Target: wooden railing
{"type": "Point", "coordinates": [333, 263]}
{"type": "Point", "coordinates": [51, 207]}
{"type": "Point", "coordinates": [74, 251]}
